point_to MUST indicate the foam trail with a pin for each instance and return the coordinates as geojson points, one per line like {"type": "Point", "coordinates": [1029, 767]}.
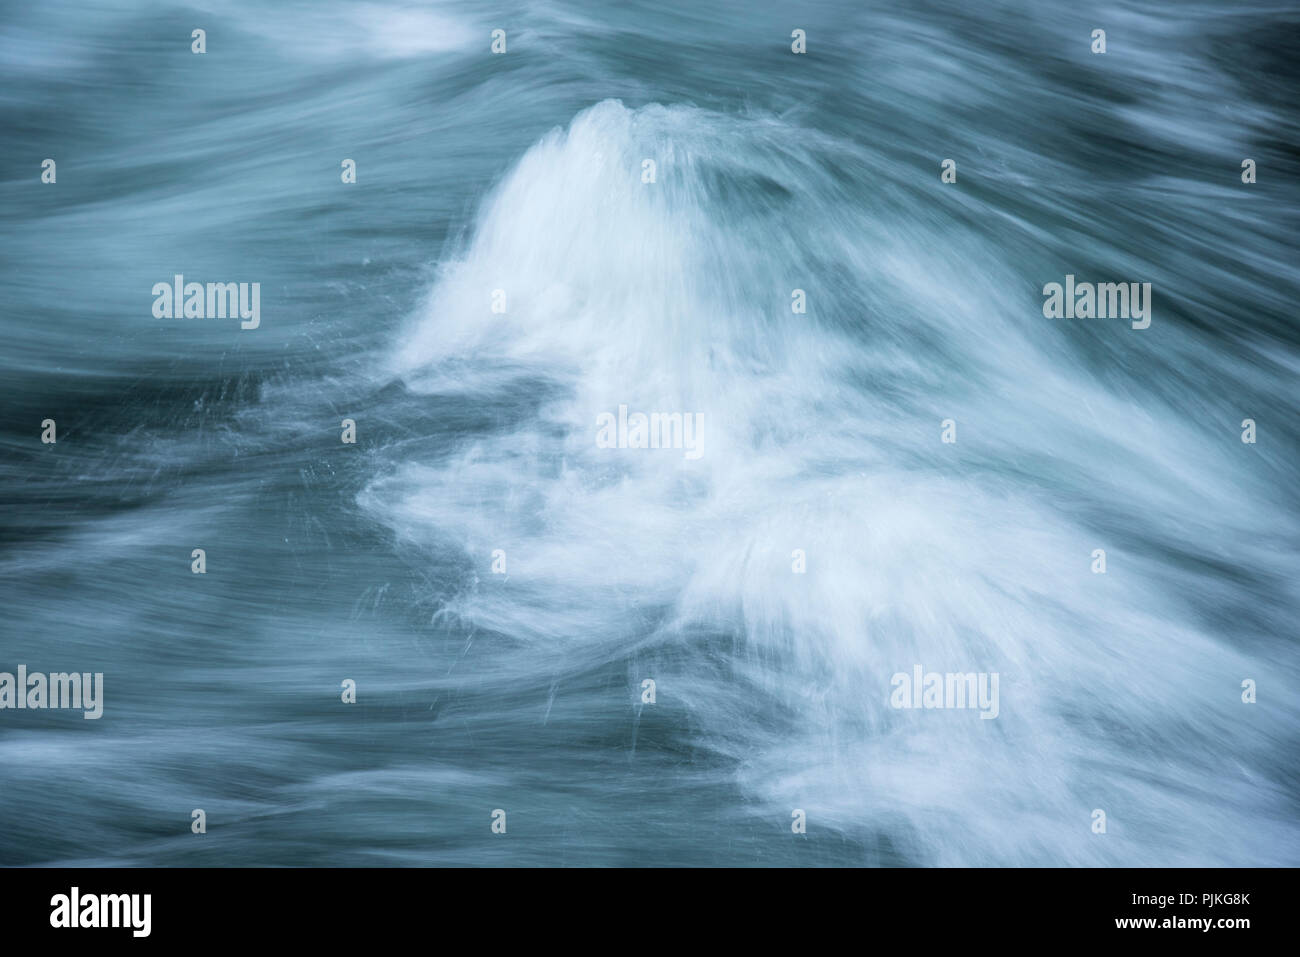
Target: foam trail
{"type": "Point", "coordinates": [823, 435]}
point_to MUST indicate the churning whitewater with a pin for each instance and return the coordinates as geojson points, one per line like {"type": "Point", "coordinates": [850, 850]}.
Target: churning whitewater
{"type": "Point", "coordinates": [823, 440]}
{"type": "Point", "coordinates": [649, 444]}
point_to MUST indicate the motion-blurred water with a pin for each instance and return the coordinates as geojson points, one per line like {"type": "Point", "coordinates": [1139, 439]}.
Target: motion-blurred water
{"type": "Point", "coordinates": [522, 691]}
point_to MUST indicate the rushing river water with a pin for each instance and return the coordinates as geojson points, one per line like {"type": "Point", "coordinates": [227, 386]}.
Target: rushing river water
{"type": "Point", "coordinates": [498, 585]}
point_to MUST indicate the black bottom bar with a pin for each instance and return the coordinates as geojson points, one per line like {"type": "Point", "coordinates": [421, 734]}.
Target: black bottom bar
{"type": "Point", "coordinates": [1222, 908]}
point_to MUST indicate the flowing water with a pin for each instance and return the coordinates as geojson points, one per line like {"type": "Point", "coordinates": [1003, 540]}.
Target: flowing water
{"type": "Point", "coordinates": [819, 432]}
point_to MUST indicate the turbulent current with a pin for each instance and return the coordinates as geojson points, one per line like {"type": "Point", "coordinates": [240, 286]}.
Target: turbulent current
{"type": "Point", "coordinates": [651, 655]}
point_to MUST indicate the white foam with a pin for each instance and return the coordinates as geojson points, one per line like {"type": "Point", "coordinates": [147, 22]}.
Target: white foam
{"type": "Point", "coordinates": [675, 296]}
